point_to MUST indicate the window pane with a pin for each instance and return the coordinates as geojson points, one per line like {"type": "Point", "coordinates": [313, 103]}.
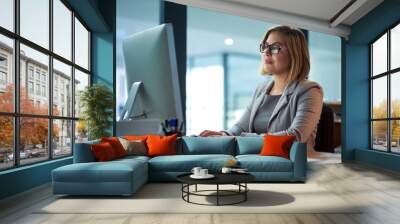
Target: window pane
{"type": "Point", "coordinates": [62, 89]}
{"type": "Point", "coordinates": [205, 109]}
{"type": "Point", "coordinates": [395, 95]}
{"type": "Point", "coordinates": [33, 139]}
{"type": "Point", "coordinates": [395, 135]}
{"type": "Point", "coordinates": [62, 29]}
{"type": "Point", "coordinates": [81, 81]}
{"type": "Point", "coordinates": [241, 85]}
{"type": "Point", "coordinates": [81, 45]}
{"type": "Point", "coordinates": [209, 46]}
{"type": "Point", "coordinates": [379, 135]}
{"type": "Point", "coordinates": [379, 98]}
{"type": "Point", "coordinates": [7, 14]}
{"type": "Point", "coordinates": [379, 55]}
{"type": "Point", "coordinates": [34, 97]}
{"type": "Point", "coordinates": [325, 59]}
{"type": "Point", "coordinates": [62, 141]}
{"type": "Point", "coordinates": [35, 21]}
{"type": "Point", "coordinates": [6, 74]}
{"type": "Point", "coordinates": [81, 131]}
{"type": "Point", "coordinates": [395, 47]}
{"type": "Point", "coordinates": [6, 142]}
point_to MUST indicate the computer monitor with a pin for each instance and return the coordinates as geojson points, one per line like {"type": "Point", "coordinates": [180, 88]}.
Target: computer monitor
{"type": "Point", "coordinates": [150, 59]}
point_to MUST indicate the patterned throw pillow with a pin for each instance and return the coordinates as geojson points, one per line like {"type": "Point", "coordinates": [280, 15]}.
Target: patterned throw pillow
{"type": "Point", "coordinates": [135, 147]}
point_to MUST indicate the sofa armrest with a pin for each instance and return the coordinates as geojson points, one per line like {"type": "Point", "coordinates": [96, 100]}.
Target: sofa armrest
{"type": "Point", "coordinates": [298, 155]}
{"type": "Point", "coordinates": [83, 152]}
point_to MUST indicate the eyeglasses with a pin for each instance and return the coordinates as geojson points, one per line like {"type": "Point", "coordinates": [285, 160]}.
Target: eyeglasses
{"type": "Point", "coordinates": [271, 49]}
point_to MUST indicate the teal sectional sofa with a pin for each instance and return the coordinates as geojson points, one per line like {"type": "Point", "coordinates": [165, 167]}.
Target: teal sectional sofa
{"type": "Point", "coordinates": [125, 176]}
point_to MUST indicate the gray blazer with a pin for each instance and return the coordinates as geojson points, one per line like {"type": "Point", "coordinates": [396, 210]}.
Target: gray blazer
{"type": "Point", "coordinates": [297, 112]}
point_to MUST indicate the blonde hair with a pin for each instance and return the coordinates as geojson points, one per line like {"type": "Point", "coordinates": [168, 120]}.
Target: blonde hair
{"type": "Point", "coordinates": [298, 52]}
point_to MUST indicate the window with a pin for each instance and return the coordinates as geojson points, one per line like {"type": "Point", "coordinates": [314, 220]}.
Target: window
{"type": "Point", "coordinates": [3, 61]}
{"type": "Point", "coordinates": [3, 78]}
{"type": "Point", "coordinates": [38, 89]}
{"type": "Point", "coordinates": [62, 74]}
{"type": "Point", "coordinates": [35, 21]}
{"type": "Point", "coordinates": [30, 72]}
{"type": "Point", "coordinates": [43, 90]}
{"type": "Point", "coordinates": [233, 68]}
{"type": "Point", "coordinates": [81, 45]}
{"type": "Point", "coordinates": [385, 95]}
{"type": "Point", "coordinates": [7, 14]}
{"type": "Point", "coordinates": [62, 29]}
{"type": "Point", "coordinates": [7, 87]}
{"type": "Point", "coordinates": [37, 74]}
{"type": "Point", "coordinates": [53, 125]}
{"type": "Point", "coordinates": [325, 59]}
{"type": "Point", "coordinates": [30, 87]}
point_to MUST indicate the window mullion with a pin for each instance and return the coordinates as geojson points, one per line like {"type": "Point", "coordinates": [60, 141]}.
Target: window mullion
{"type": "Point", "coordinates": [50, 81]}
{"type": "Point", "coordinates": [73, 82]}
{"type": "Point", "coordinates": [16, 83]}
{"type": "Point", "coordinates": [389, 106]}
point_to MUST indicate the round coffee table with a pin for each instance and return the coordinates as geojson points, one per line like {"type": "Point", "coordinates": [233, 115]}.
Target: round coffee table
{"type": "Point", "coordinates": [238, 179]}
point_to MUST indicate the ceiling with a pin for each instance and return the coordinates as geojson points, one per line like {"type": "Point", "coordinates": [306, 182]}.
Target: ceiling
{"type": "Point", "coordinates": [326, 16]}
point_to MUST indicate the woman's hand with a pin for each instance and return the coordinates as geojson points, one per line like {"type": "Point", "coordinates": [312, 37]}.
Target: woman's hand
{"type": "Point", "coordinates": [208, 133]}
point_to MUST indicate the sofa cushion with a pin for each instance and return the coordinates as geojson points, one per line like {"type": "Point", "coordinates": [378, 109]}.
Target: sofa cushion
{"type": "Point", "coordinates": [257, 163]}
{"type": "Point", "coordinates": [249, 145]}
{"type": "Point", "coordinates": [103, 152]}
{"type": "Point", "coordinates": [134, 147]}
{"type": "Point", "coordinates": [277, 145]}
{"type": "Point", "coordinates": [185, 163]}
{"type": "Point", "coordinates": [161, 145]}
{"type": "Point", "coordinates": [116, 145]}
{"type": "Point", "coordinates": [207, 145]}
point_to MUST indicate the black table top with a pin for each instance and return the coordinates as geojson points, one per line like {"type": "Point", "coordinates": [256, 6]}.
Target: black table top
{"type": "Point", "coordinates": [220, 178]}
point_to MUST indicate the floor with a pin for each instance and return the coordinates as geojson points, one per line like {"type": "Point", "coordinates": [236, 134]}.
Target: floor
{"type": "Point", "coordinates": [378, 188]}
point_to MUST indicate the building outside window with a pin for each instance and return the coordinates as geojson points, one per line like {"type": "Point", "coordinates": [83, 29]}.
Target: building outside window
{"type": "Point", "coordinates": [384, 92]}
{"type": "Point", "coordinates": [34, 81]}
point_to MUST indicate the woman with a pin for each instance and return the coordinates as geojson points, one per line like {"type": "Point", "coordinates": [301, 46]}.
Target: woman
{"type": "Point", "coordinates": [289, 104]}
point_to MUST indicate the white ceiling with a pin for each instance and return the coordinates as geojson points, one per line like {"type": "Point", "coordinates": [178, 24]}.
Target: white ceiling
{"type": "Point", "coordinates": [315, 15]}
{"type": "Point", "coordinates": [321, 9]}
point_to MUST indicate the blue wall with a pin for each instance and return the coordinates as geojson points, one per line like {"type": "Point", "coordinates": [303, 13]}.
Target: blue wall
{"type": "Point", "coordinates": [356, 86]}
{"type": "Point", "coordinates": [100, 17]}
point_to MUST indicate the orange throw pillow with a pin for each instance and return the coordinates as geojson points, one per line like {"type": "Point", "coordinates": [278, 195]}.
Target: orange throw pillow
{"type": "Point", "coordinates": [116, 145]}
{"type": "Point", "coordinates": [161, 145]}
{"type": "Point", "coordinates": [103, 151]}
{"type": "Point", "coordinates": [275, 145]}
{"type": "Point", "coordinates": [136, 137]}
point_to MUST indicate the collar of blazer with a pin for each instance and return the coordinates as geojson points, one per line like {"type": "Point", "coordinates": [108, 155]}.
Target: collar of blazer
{"type": "Point", "coordinates": [283, 101]}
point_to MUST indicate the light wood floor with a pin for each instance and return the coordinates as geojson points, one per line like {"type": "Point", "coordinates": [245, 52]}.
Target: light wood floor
{"type": "Point", "coordinates": [377, 188]}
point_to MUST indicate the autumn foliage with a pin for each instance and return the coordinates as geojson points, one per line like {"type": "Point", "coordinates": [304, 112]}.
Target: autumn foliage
{"type": "Point", "coordinates": [33, 131]}
{"type": "Point", "coordinates": [380, 127]}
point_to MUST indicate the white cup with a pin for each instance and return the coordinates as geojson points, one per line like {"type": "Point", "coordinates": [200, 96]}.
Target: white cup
{"type": "Point", "coordinates": [196, 171]}
{"type": "Point", "coordinates": [203, 172]}
{"type": "Point", "coordinates": [226, 170]}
